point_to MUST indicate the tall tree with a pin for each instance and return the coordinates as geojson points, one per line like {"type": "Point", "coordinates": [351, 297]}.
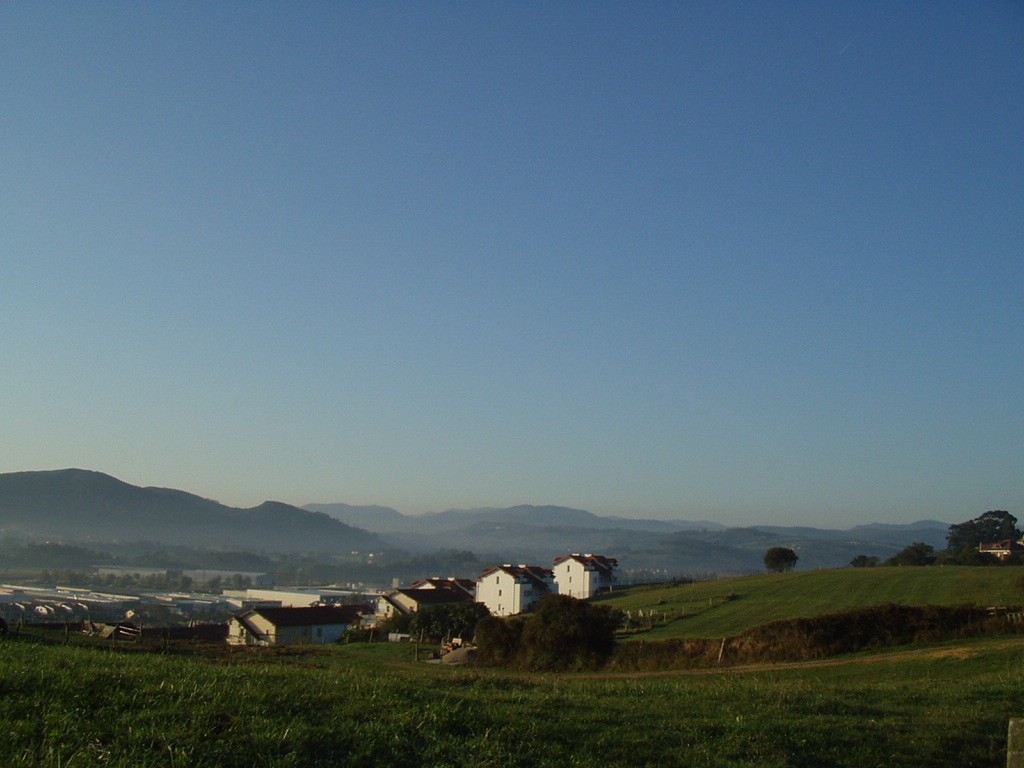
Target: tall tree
{"type": "Point", "coordinates": [993, 526]}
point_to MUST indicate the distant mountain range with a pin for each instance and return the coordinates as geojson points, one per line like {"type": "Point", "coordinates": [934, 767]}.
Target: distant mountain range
{"type": "Point", "coordinates": [388, 520]}
{"type": "Point", "coordinates": [74, 505]}
{"type": "Point", "coordinates": [83, 506]}
{"type": "Point", "coordinates": [535, 533]}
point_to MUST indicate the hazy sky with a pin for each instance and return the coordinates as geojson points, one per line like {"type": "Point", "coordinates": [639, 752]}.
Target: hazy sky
{"type": "Point", "coordinates": [750, 262]}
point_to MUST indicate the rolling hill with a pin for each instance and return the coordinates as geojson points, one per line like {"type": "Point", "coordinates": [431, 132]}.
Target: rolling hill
{"type": "Point", "coordinates": [85, 506]}
{"type": "Point", "coordinates": [726, 607]}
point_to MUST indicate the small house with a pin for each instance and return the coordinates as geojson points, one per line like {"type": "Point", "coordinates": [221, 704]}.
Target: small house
{"type": "Point", "coordinates": [316, 625]}
{"type": "Point", "coordinates": [412, 600]}
{"type": "Point", "coordinates": [1002, 549]}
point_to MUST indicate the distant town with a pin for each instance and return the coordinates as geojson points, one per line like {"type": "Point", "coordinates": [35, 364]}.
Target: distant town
{"type": "Point", "coordinates": [267, 615]}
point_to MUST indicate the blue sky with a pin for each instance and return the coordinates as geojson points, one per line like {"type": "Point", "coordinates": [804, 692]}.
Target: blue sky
{"type": "Point", "coordinates": [748, 262]}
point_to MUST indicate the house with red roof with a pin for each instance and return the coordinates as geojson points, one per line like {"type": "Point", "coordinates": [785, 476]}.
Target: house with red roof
{"type": "Point", "coordinates": [583, 576]}
{"type": "Point", "coordinates": [510, 589]}
{"type": "Point", "coordinates": [435, 582]}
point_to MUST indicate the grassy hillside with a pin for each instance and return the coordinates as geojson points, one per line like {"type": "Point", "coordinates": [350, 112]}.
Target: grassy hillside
{"type": "Point", "coordinates": [370, 705]}
{"type": "Point", "coordinates": [726, 607]}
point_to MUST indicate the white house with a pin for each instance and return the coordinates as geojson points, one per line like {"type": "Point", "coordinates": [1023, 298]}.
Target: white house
{"type": "Point", "coordinates": [583, 576]}
{"type": "Point", "coordinates": [290, 626]}
{"type": "Point", "coordinates": [1002, 549]}
{"type": "Point", "coordinates": [407, 601]}
{"type": "Point", "coordinates": [510, 589]}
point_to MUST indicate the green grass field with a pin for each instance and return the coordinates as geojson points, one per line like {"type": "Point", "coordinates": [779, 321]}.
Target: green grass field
{"type": "Point", "coordinates": [75, 702]}
{"type": "Point", "coordinates": [947, 705]}
{"type": "Point", "coordinates": [726, 607]}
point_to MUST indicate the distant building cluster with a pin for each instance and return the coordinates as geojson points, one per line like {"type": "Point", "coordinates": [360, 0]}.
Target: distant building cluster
{"type": "Point", "coordinates": [302, 616]}
{"type": "Point", "coordinates": [508, 589]}
{"type": "Point", "coordinates": [58, 605]}
{"type": "Point", "coordinates": [312, 615]}
{"type": "Point", "coordinates": [198, 575]}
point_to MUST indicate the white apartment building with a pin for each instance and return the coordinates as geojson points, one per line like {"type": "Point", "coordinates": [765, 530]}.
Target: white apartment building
{"type": "Point", "coordinates": [510, 589]}
{"type": "Point", "coordinates": [583, 576]}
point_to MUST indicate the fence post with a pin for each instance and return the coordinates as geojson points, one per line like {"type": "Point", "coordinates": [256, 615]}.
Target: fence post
{"type": "Point", "coordinates": [1015, 744]}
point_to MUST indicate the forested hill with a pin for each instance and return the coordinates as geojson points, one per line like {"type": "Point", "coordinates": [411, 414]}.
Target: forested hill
{"type": "Point", "coordinates": [81, 505]}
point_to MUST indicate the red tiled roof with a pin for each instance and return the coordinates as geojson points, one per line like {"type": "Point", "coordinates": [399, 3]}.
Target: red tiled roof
{"type": "Point", "coordinates": [599, 562]}
{"type": "Point", "coordinates": [315, 615]}
{"type": "Point", "coordinates": [466, 585]}
{"type": "Point", "coordinates": [436, 596]}
{"type": "Point", "coordinates": [535, 574]}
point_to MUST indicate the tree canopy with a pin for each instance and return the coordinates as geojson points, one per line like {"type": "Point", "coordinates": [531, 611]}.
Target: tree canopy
{"type": "Point", "coordinates": [447, 620]}
{"type": "Point", "coordinates": [917, 553]}
{"type": "Point", "coordinates": [780, 559]}
{"type": "Point", "coordinates": [994, 526]}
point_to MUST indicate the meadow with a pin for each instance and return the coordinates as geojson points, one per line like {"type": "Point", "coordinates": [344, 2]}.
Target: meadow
{"type": "Point", "coordinates": [726, 607]}
{"type": "Point", "coordinates": [68, 702]}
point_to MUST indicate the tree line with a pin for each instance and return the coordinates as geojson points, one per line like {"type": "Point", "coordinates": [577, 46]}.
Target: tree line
{"type": "Point", "coordinates": [962, 545]}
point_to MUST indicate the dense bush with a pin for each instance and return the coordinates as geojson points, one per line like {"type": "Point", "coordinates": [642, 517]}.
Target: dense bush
{"type": "Point", "coordinates": [916, 554]}
{"type": "Point", "coordinates": [563, 633]}
{"type": "Point", "coordinates": [399, 623]}
{"type": "Point", "coordinates": [497, 640]}
{"type": "Point", "coordinates": [864, 561]}
{"type": "Point", "coordinates": [643, 656]}
{"type": "Point", "coordinates": [883, 626]}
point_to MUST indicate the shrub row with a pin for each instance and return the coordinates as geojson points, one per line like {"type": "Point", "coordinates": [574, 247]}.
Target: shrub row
{"type": "Point", "coordinates": [816, 638]}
